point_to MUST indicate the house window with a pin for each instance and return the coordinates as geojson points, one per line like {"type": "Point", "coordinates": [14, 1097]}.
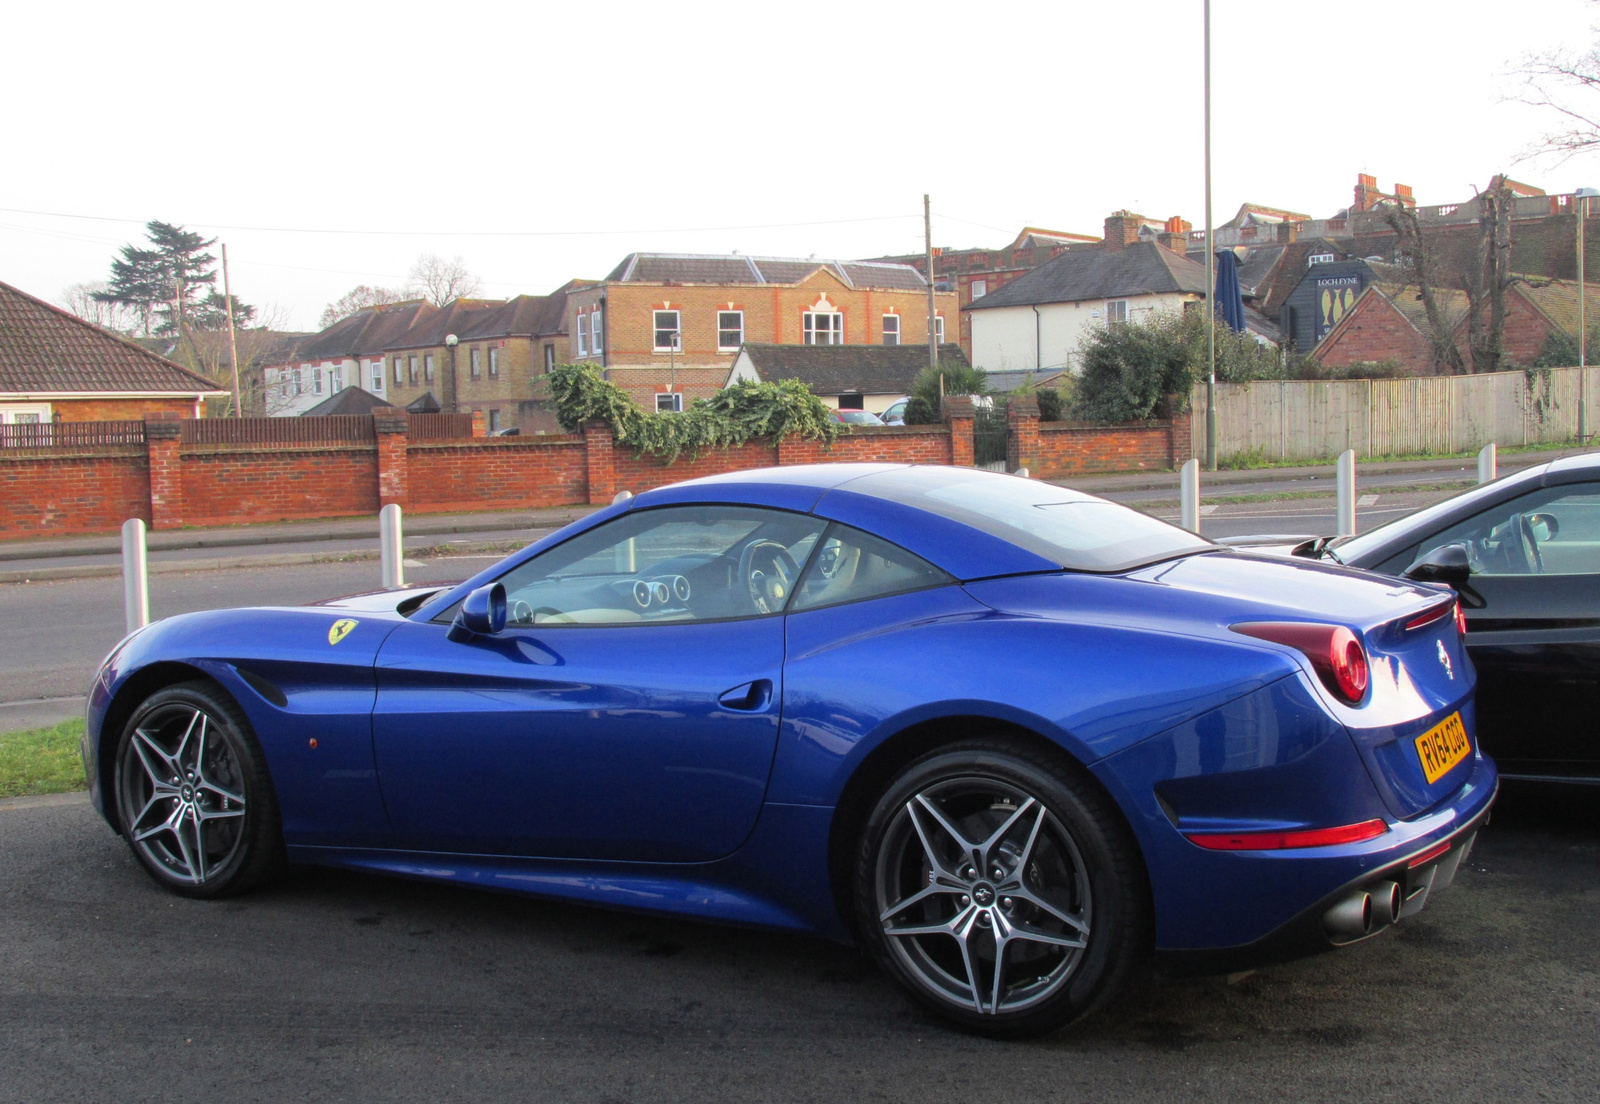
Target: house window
{"type": "Point", "coordinates": [980, 288]}
{"type": "Point", "coordinates": [427, 367]}
{"type": "Point", "coordinates": [549, 358]}
{"type": "Point", "coordinates": [377, 376]}
{"type": "Point", "coordinates": [669, 402]}
{"type": "Point", "coordinates": [730, 330]}
{"type": "Point", "coordinates": [583, 335]}
{"type": "Point", "coordinates": [891, 329]}
{"type": "Point", "coordinates": [494, 363]}
{"type": "Point", "coordinates": [398, 378]}
{"type": "Point", "coordinates": [494, 415]}
{"type": "Point", "coordinates": [596, 329]}
{"type": "Point", "coordinates": [1116, 310]}
{"type": "Point", "coordinates": [477, 362]}
{"type": "Point", "coordinates": [938, 328]}
{"type": "Point", "coordinates": [299, 381]}
{"type": "Point", "coordinates": [669, 335]}
{"type": "Point", "coordinates": [852, 402]}
{"type": "Point", "coordinates": [823, 328]}
{"type": "Point", "coordinates": [335, 379]}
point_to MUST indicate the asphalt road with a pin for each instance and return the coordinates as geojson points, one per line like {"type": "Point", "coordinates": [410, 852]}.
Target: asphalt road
{"type": "Point", "coordinates": [333, 986]}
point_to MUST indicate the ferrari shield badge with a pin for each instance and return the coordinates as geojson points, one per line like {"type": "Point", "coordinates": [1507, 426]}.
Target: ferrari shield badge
{"type": "Point", "coordinates": [1444, 658]}
{"type": "Point", "coordinates": [341, 629]}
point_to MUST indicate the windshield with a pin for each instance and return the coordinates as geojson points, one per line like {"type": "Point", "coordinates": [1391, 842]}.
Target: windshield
{"type": "Point", "coordinates": [1352, 549]}
{"type": "Point", "coordinates": [1077, 531]}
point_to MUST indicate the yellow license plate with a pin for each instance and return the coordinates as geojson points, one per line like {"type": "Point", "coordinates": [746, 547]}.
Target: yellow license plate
{"type": "Point", "coordinates": [1442, 747]}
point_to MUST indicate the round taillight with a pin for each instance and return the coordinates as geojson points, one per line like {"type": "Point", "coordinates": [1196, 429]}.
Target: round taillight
{"type": "Point", "coordinates": [1461, 619]}
{"type": "Point", "coordinates": [1348, 661]}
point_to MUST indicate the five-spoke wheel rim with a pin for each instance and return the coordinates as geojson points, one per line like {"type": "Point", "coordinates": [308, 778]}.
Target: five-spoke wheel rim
{"type": "Point", "coordinates": [982, 895]}
{"type": "Point", "coordinates": [183, 794]}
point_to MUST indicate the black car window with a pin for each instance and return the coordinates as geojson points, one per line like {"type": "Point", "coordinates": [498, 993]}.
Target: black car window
{"type": "Point", "coordinates": [675, 563]}
{"type": "Point", "coordinates": [1551, 531]}
{"type": "Point", "coordinates": [851, 565]}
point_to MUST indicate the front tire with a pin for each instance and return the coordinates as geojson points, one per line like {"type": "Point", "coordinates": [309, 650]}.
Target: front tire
{"type": "Point", "coordinates": [193, 795]}
{"type": "Point", "coordinates": [999, 887]}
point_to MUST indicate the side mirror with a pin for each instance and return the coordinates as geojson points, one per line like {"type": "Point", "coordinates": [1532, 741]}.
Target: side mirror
{"type": "Point", "coordinates": [1544, 527]}
{"type": "Point", "coordinates": [482, 613]}
{"type": "Point", "coordinates": [1450, 564]}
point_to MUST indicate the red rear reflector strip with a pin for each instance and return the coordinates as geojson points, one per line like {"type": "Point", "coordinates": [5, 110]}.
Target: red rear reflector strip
{"type": "Point", "coordinates": [1429, 855]}
{"type": "Point", "coordinates": [1278, 841]}
{"type": "Point", "coordinates": [1428, 617]}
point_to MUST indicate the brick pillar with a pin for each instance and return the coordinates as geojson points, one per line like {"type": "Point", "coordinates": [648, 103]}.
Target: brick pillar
{"type": "Point", "coordinates": [394, 481]}
{"type": "Point", "coordinates": [958, 416]}
{"type": "Point", "coordinates": [1180, 426]}
{"type": "Point", "coordinates": [162, 441]}
{"type": "Point", "coordinates": [480, 428]}
{"type": "Point", "coordinates": [598, 445]}
{"type": "Point", "coordinates": [1022, 433]}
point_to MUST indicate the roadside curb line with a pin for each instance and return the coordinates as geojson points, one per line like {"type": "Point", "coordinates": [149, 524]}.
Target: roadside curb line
{"type": "Point", "coordinates": [39, 801]}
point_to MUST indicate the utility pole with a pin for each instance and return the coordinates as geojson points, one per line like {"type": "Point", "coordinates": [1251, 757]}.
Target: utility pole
{"type": "Point", "coordinates": [1211, 274]}
{"type": "Point", "coordinates": [233, 339]}
{"type": "Point", "coordinates": [933, 334]}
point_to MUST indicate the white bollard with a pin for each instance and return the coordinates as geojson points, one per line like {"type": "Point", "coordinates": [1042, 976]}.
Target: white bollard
{"type": "Point", "coordinates": [1347, 493]}
{"type": "Point", "coordinates": [135, 575]}
{"type": "Point", "coordinates": [391, 549]}
{"type": "Point", "coordinates": [1189, 496]}
{"type": "Point", "coordinates": [1487, 463]}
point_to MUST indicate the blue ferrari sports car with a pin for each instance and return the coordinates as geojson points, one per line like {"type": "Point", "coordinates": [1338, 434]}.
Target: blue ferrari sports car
{"type": "Point", "coordinates": [1010, 738]}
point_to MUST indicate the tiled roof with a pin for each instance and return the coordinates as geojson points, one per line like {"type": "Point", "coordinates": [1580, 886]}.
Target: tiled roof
{"type": "Point", "coordinates": [737, 269]}
{"type": "Point", "coordinates": [1012, 379]}
{"type": "Point", "coordinates": [1408, 301]}
{"type": "Point", "coordinates": [46, 350]}
{"type": "Point", "coordinates": [1558, 301]}
{"type": "Point", "coordinates": [1142, 268]}
{"type": "Point", "coordinates": [846, 369]}
{"type": "Point", "coordinates": [367, 331]}
{"type": "Point", "coordinates": [346, 400]}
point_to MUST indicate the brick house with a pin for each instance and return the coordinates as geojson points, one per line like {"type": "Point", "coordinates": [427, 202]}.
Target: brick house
{"type": "Point", "coordinates": [349, 353]}
{"type": "Point", "coordinates": [974, 273]}
{"type": "Point", "coordinates": [1389, 322]}
{"type": "Point", "coordinates": [666, 327]}
{"type": "Point", "coordinates": [845, 377]}
{"type": "Point", "coordinates": [55, 367]}
{"type": "Point", "coordinates": [1035, 323]}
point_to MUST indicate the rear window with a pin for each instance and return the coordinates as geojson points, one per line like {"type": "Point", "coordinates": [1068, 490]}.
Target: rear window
{"type": "Point", "coordinates": [1078, 531]}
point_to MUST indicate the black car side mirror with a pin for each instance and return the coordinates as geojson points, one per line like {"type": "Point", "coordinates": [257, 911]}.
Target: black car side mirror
{"type": "Point", "coordinates": [1450, 564]}
{"type": "Point", "coordinates": [482, 613]}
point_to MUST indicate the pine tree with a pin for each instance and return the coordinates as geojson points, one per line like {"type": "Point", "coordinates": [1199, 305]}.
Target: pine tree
{"type": "Point", "coordinates": [172, 284]}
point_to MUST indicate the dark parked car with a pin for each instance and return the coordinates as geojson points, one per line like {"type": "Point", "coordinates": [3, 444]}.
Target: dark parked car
{"type": "Point", "coordinates": [1528, 551]}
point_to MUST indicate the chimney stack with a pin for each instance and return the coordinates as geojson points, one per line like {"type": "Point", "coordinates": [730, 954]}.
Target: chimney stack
{"type": "Point", "coordinates": [1288, 231]}
{"type": "Point", "coordinates": [1175, 235]}
{"type": "Point", "coordinates": [1402, 193]}
{"type": "Point", "coordinates": [1367, 194]}
{"type": "Point", "coordinates": [1122, 230]}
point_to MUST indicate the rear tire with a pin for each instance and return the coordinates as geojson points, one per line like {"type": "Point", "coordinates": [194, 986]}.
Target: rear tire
{"type": "Point", "coordinates": [193, 795]}
{"type": "Point", "coordinates": [1000, 888]}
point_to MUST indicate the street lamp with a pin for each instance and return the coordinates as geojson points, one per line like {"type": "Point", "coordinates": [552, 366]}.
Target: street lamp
{"type": "Point", "coordinates": [1582, 196]}
{"type": "Point", "coordinates": [450, 342]}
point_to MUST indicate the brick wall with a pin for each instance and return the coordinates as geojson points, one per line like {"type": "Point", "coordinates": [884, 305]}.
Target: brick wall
{"type": "Point", "coordinates": [1056, 450]}
{"type": "Point", "coordinates": [46, 492]}
{"type": "Point", "coordinates": [121, 410]}
{"type": "Point", "coordinates": [1375, 331]}
{"type": "Point", "coordinates": [498, 473]}
{"type": "Point", "coordinates": [228, 484]}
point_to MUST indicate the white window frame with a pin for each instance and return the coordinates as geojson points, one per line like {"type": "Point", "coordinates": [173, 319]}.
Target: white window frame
{"type": "Point", "coordinates": [676, 330]}
{"type": "Point", "coordinates": [475, 360]}
{"type": "Point", "coordinates": [938, 329]}
{"type": "Point", "coordinates": [978, 288]}
{"type": "Point", "coordinates": [1116, 310]}
{"type": "Point", "coordinates": [35, 413]}
{"type": "Point", "coordinates": [891, 335]}
{"type": "Point", "coordinates": [494, 420]}
{"type": "Point", "coordinates": [377, 377]}
{"type": "Point", "coordinates": [674, 404]}
{"type": "Point", "coordinates": [399, 371]}
{"type": "Point", "coordinates": [812, 327]}
{"type": "Point", "coordinates": [722, 345]}
{"type": "Point", "coordinates": [316, 380]}
{"type": "Point", "coordinates": [549, 358]}
{"type": "Point", "coordinates": [583, 335]}
{"type": "Point", "coordinates": [597, 341]}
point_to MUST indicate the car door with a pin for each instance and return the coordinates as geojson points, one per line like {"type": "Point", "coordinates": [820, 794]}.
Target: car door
{"type": "Point", "coordinates": [1533, 628]}
{"type": "Point", "coordinates": [628, 711]}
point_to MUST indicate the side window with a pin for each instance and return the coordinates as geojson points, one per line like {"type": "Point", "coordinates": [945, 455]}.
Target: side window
{"type": "Point", "coordinates": [1552, 531]}
{"type": "Point", "coordinates": [851, 566]}
{"type": "Point", "coordinates": [676, 563]}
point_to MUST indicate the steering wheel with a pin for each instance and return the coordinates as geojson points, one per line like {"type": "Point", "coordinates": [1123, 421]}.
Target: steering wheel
{"type": "Point", "coordinates": [769, 574]}
{"type": "Point", "coordinates": [1532, 559]}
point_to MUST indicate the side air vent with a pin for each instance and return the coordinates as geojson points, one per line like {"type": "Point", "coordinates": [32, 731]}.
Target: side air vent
{"type": "Point", "coordinates": [263, 687]}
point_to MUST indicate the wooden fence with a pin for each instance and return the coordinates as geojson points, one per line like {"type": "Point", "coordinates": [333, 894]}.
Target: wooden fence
{"type": "Point", "coordinates": [1314, 419]}
{"type": "Point", "coordinates": [335, 429]}
{"type": "Point", "coordinates": [434, 427]}
{"type": "Point", "coordinates": [70, 434]}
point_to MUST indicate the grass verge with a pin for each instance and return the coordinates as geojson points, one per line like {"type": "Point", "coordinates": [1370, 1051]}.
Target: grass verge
{"type": "Point", "coordinates": [42, 760]}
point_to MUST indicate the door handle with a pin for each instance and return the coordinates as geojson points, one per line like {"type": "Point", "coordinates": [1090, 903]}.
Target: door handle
{"type": "Point", "coordinates": [750, 697]}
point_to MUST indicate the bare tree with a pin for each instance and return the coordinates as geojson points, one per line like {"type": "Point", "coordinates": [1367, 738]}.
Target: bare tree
{"type": "Point", "coordinates": [357, 298]}
{"type": "Point", "coordinates": [1565, 82]}
{"type": "Point", "coordinates": [1481, 270]}
{"type": "Point", "coordinates": [438, 281]}
{"type": "Point", "coordinates": [81, 300]}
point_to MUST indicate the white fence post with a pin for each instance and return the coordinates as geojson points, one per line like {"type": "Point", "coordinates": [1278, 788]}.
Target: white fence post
{"type": "Point", "coordinates": [1189, 495]}
{"type": "Point", "coordinates": [1347, 493]}
{"type": "Point", "coordinates": [1487, 463]}
{"type": "Point", "coordinates": [135, 575]}
{"type": "Point", "coordinates": [391, 550]}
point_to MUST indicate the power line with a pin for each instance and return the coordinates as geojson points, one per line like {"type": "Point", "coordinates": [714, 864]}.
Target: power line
{"type": "Point", "coordinates": [470, 233]}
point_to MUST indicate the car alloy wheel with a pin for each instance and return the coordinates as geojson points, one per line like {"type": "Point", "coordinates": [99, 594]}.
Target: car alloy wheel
{"type": "Point", "coordinates": [999, 891]}
{"type": "Point", "coordinates": [192, 794]}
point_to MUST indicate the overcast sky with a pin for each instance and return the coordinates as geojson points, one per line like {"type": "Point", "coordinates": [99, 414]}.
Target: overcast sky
{"type": "Point", "coordinates": [329, 144]}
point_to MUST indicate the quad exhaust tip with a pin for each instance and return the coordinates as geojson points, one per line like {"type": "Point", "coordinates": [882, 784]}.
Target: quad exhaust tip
{"type": "Point", "coordinates": [1363, 913]}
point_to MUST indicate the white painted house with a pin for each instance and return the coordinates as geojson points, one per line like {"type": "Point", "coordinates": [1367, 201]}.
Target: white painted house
{"type": "Point", "coordinates": [1037, 322]}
